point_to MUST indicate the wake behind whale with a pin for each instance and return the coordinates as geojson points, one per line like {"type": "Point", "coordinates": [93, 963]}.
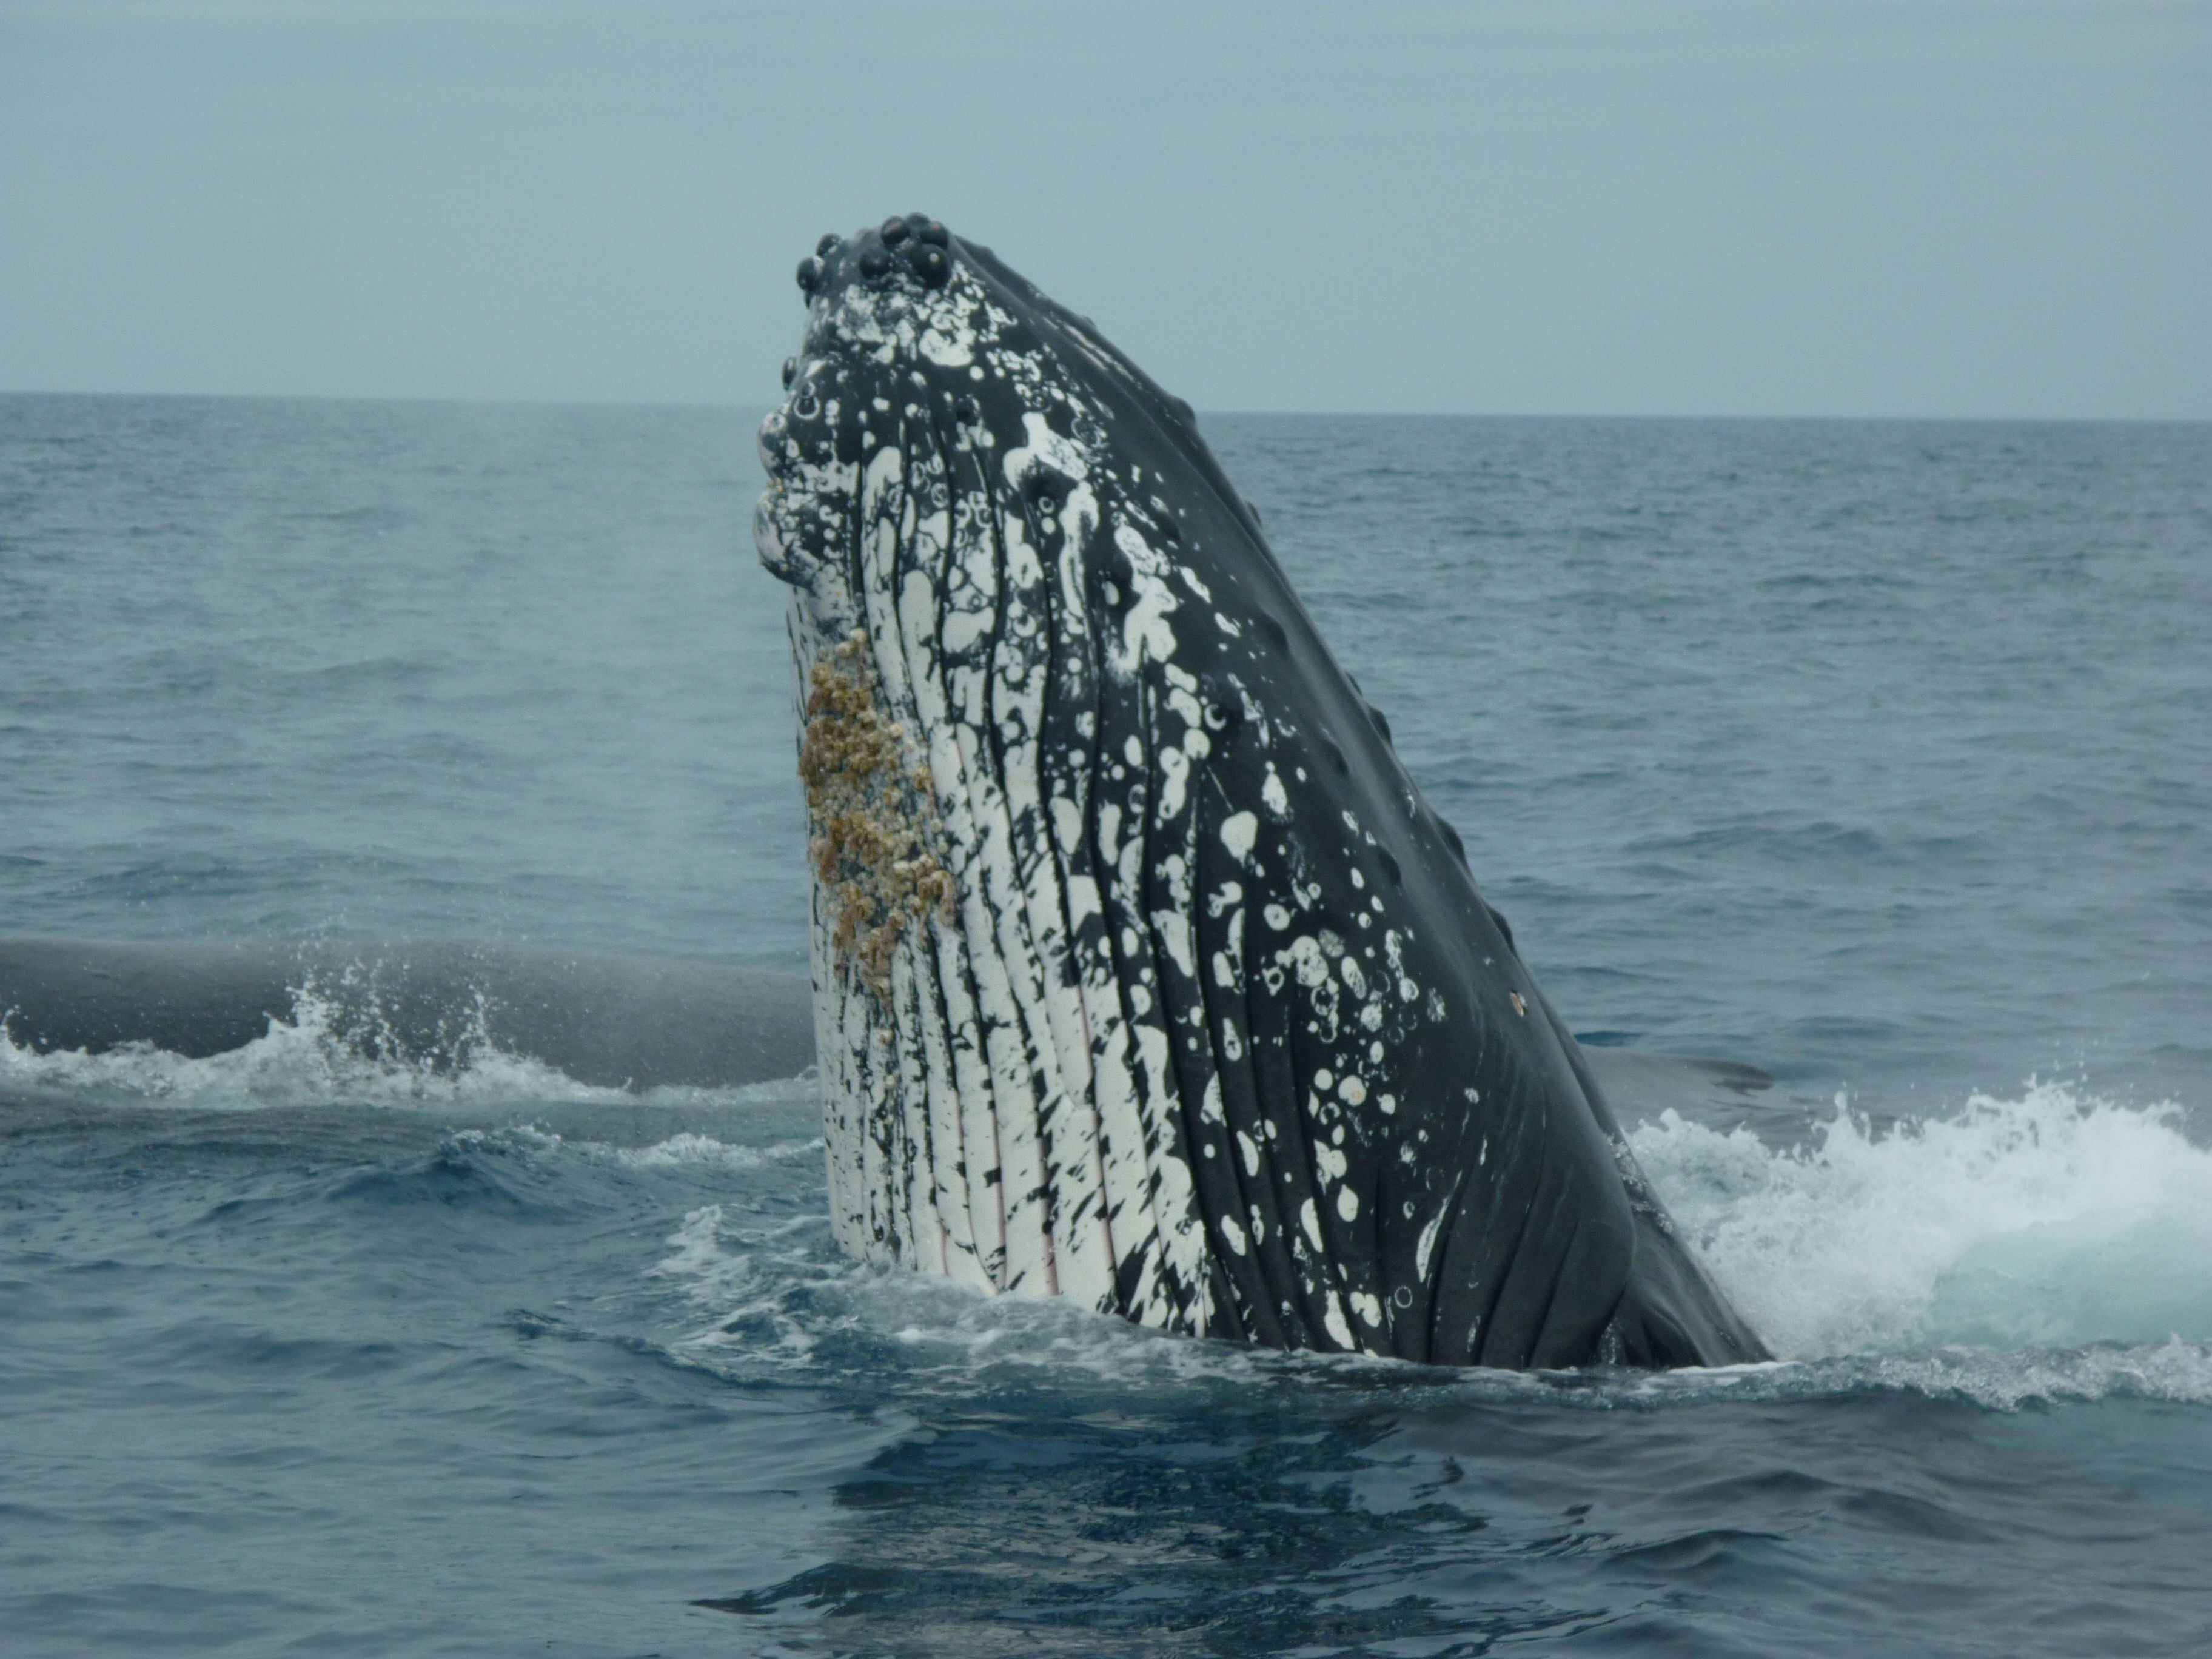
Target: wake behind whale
{"type": "Point", "coordinates": [1143, 973]}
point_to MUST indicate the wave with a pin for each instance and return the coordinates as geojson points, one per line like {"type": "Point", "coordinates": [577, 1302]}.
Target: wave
{"type": "Point", "coordinates": [334, 1048]}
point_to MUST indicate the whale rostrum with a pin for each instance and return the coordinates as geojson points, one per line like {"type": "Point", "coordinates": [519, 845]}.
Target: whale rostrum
{"type": "Point", "coordinates": [1143, 974]}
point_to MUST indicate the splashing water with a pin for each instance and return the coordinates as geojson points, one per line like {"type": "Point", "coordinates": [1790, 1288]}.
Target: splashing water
{"type": "Point", "coordinates": [339, 1045]}
{"type": "Point", "coordinates": [2047, 1221]}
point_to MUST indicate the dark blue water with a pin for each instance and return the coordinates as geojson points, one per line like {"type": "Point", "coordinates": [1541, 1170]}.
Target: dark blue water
{"type": "Point", "coordinates": [1877, 755]}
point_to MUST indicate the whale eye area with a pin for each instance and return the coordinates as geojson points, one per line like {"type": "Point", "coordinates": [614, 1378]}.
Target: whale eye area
{"type": "Point", "coordinates": [1114, 574]}
{"type": "Point", "coordinates": [805, 405]}
{"type": "Point", "coordinates": [1335, 753]}
{"type": "Point", "coordinates": [1275, 633]}
{"type": "Point", "coordinates": [1390, 867]}
{"type": "Point", "coordinates": [790, 372]}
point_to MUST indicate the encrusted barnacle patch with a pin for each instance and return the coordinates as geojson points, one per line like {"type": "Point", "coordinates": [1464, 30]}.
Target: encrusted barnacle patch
{"type": "Point", "coordinates": [874, 834]}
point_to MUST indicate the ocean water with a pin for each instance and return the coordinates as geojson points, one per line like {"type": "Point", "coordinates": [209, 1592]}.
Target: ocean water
{"type": "Point", "coordinates": [1878, 756]}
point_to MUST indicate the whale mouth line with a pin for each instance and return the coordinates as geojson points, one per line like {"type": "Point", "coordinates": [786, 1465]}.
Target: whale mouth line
{"type": "Point", "coordinates": [1144, 972]}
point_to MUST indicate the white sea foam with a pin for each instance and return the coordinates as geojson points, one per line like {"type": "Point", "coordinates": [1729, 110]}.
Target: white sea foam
{"type": "Point", "coordinates": [755, 1295]}
{"type": "Point", "coordinates": [685, 1151]}
{"type": "Point", "coordinates": [2051, 1221]}
{"type": "Point", "coordinates": [331, 1050]}
{"type": "Point", "coordinates": [693, 1151]}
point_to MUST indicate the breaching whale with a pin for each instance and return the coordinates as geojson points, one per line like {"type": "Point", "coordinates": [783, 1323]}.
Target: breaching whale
{"type": "Point", "coordinates": [1143, 973]}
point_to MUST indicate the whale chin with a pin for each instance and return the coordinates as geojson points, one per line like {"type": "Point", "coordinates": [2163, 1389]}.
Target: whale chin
{"type": "Point", "coordinates": [1144, 975]}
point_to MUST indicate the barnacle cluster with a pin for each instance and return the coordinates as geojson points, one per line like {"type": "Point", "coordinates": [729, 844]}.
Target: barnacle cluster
{"type": "Point", "coordinates": [870, 815]}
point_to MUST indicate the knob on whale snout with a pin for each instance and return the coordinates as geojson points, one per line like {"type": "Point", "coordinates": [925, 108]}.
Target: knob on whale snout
{"type": "Point", "coordinates": [915, 246]}
{"type": "Point", "coordinates": [920, 226]}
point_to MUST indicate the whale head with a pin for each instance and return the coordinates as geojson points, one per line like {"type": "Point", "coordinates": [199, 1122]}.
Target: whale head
{"type": "Point", "coordinates": [1143, 974]}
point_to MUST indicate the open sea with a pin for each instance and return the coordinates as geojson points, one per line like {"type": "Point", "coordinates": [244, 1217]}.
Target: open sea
{"type": "Point", "coordinates": [1874, 755]}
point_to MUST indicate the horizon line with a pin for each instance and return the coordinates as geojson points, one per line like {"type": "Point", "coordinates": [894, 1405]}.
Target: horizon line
{"type": "Point", "coordinates": [458, 400]}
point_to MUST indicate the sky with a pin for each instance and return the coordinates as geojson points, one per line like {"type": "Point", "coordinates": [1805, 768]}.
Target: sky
{"type": "Point", "coordinates": [1889, 208]}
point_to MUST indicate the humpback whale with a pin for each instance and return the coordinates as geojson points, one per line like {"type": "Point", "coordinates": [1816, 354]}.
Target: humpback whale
{"type": "Point", "coordinates": [1143, 973]}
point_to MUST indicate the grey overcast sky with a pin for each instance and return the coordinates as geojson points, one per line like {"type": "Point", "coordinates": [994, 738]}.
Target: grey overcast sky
{"type": "Point", "coordinates": [1669, 207]}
